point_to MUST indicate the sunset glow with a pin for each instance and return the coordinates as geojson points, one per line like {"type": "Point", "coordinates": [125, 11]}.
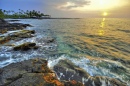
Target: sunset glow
{"type": "Point", "coordinates": [105, 14]}
{"type": "Point", "coordinates": [72, 8]}
{"type": "Point", "coordinates": [65, 42]}
{"type": "Point", "coordinates": [100, 5]}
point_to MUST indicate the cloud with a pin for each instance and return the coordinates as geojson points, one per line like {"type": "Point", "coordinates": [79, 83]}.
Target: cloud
{"type": "Point", "coordinates": [70, 8]}
{"type": "Point", "coordinates": [71, 4]}
{"type": "Point", "coordinates": [66, 4]}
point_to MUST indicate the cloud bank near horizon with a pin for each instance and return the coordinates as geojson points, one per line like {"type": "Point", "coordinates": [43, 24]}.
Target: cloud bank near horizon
{"type": "Point", "coordinates": [63, 8]}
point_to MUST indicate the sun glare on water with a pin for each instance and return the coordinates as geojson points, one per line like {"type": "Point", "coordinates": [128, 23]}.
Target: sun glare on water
{"type": "Point", "coordinates": [105, 14]}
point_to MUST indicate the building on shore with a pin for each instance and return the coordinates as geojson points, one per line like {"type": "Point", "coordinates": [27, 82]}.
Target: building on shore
{"type": "Point", "coordinates": [46, 16]}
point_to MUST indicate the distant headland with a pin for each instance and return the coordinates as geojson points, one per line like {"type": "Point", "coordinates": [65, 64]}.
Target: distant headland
{"type": "Point", "coordinates": [21, 14]}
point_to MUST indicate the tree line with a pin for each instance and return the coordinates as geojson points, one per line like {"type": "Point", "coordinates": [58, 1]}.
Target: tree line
{"type": "Point", "coordinates": [22, 14]}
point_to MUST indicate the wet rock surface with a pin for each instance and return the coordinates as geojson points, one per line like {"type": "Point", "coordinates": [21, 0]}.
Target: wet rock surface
{"type": "Point", "coordinates": [5, 26]}
{"type": "Point", "coordinates": [48, 40]}
{"type": "Point", "coordinates": [25, 46]}
{"type": "Point", "coordinates": [17, 34]}
{"type": "Point", "coordinates": [33, 72]}
{"type": "Point", "coordinates": [22, 34]}
{"type": "Point", "coordinates": [66, 70]}
{"type": "Point", "coordinates": [36, 72]}
{"type": "Point", "coordinates": [13, 20]}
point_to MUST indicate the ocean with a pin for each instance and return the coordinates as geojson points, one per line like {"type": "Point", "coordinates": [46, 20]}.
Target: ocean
{"type": "Point", "coordinates": [101, 46]}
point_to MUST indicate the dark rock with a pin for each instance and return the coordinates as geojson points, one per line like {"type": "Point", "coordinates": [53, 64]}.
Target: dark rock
{"type": "Point", "coordinates": [17, 36]}
{"type": "Point", "coordinates": [25, 46]}
{"type": "Point", "coordinates": [35, 47]}
{"type": "Point", "coordinates": [50, 40]}
{"type": "Point", "coordinates": [3, 31]}
{"type": "Point", "coordinates": [28, 25]}
{"type": "Point", "coordinates": [38, 68]}
{"type": "Point", "coordinates": [5, 26]}
{"type": "Point", "coordinates": [23, 34]}
{"type": "Point", "coordinates": [32, 31]}
{"type": "Point", "coordinates": [1, 71]}
{"type": "Point", "coordinates": [72, 83]}
{"type": "Point", "coordinates": [14, 72]}
{"type": "Point", "coordinates": [33, 72]}
{"type": "Point", "coordinates": [66, 70]}
{"type": "Point", "coordinates": [2, 21]}
{"type": "Point", "coordinates": [30, 79]}
{"type": "Point", "coordinates": [13, 20]}
{"type": "Point", "coordinates": [4, 39]}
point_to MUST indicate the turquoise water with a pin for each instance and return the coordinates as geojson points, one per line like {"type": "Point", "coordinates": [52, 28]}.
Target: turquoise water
{"type": "Point", "coordinates": [101, 46]}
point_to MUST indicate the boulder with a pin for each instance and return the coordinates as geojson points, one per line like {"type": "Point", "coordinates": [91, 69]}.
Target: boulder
{"type": "Point", "coordinates": [49, 40]}
{"type": "Point", "coordinates": [12, 20]}
{"type": "Point", "coordinates": [17, 36]}
{"type": "Point", "coordinates": [4, 40]}
{"type": "Point", "coordinates": [1, 71]}
{"type": "Point", "coordinates": [5, 26]}
{"type": "Point", "coordinates": [66, 70]}
{"type": "Point", "coordinates": [22, 34]}
{"type": "Point", "coordinates": [26, 46]}
{"type": "Point", "coordinates": [2, 21]}
{"type": "Point", "coordinates": [33, 72]}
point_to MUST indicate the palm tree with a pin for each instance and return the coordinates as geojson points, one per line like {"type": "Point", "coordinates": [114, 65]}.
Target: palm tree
{"type": "Point", "coordinates": [1, 14]}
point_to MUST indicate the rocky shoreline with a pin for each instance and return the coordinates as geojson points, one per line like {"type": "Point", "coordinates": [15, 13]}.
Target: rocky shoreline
{"type": "Point", "coordinates": [35, 72]}
{"type": "Point", "coordinates": [13, 31]}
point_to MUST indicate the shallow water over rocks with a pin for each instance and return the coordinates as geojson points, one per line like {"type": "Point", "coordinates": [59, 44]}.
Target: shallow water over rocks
{"type": "Point", "coordinates": [100, 47]}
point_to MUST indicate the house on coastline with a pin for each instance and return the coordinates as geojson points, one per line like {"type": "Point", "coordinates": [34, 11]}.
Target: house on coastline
{"type": "Point", "coordinates": [42, 17]}
{"type": "Point", "coordinates": [46, 17]}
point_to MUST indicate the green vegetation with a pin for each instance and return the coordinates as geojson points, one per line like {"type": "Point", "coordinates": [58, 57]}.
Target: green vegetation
{"type": "Point", "coordinates": [1, 14]}
{"type": "Point", "coordinates": [22, 14]}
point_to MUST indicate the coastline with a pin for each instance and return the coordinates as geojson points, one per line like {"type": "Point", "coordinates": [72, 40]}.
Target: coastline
{"type": "Point", "coordinates": [41, 18]}
{"type": "Point", "coordinates": [29, 72]}
{"type": "Point", "coordinates": [60, 68]}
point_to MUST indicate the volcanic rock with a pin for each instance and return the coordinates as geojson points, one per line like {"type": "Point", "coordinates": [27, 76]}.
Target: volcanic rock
{"type": "Point", "coordinates": [33, 72]}
{"type": "Point", "coordinates": [66, 70]}
{"type": "Point", "coordinates": [26, 46]}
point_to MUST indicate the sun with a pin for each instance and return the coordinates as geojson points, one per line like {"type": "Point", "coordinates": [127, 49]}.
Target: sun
{"type": "Point", "coordinates": [105, 14]}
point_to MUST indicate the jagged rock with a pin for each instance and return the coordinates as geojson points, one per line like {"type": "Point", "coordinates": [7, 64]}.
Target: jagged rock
{"type": "Point", "coordinates": [33, 72]}
{"type": "Point", "coordinates": [4, 39]}
{"type": "Point", "coordinates": [66, 70]}
{"type": "Point", "coordinates": [2, 21]}
{"type": "Point", "coordinates": [49, 40]}
{"type": "Point", "coordinates": [22, 34]}
{"type": "Point", "coordinates": [35, 47]}
{"type": "Point", "coordinates": [17, 36]}
{"type": "Point", "coordinates": [1, 71]}
{"type": "Point", "coordinates": [26, 46]}
{"type": "Point", "coordinates": [16, 71]}
{"type": "Point", "coordinates": [5, 26]}
{"type": "Point", "coordinates": [72, 83]}
{"type": "Point", "coordinates": [12, 20]}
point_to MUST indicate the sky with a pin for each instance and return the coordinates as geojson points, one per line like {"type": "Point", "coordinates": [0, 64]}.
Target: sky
{"type": "Point", "coordinates": [72, 8]}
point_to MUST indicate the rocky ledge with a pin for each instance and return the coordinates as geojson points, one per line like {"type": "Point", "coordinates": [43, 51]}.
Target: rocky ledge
{"type": "Point", "coordinates": [33, 72]}
{"type": "Point", "coordinates": [14, 31]}
{"type": "Point", "coordinates": [26, 46]}
{"type": "Point", "coordinates": [16, 36]}
{"type": "Point", "coordinates": [5, 26]}
{"type": "Point", "coordinates": [66, 70]}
